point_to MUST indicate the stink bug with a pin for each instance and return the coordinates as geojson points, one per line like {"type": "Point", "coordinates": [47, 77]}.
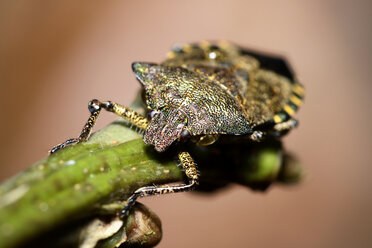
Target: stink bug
{"type": "Point", "coordinates": [203, 92]}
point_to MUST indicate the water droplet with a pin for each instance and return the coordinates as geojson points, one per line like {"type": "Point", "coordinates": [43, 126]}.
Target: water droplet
{"type": "Point", "coordinates": [70, 162]}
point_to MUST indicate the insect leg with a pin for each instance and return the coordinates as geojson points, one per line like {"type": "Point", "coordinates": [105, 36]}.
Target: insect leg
{"type": "Point", "coordinates": [286, 126]}
{"type": "Point", "coordinates": [278, 130]}
{"type": "Point", "coordinates": [95, 108]}
{"type": "Point", "coordinates": [191, 172]}
{"type": "Point", "coordinates": [257, 136]}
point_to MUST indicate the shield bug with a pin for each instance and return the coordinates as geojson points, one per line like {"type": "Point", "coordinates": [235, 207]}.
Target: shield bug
{"type": "Point", "coordinates": [202, 92]}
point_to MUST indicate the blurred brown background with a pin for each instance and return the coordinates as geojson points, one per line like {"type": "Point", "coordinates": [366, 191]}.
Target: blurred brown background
{"type": "Point", "coordinates": [57, 55]}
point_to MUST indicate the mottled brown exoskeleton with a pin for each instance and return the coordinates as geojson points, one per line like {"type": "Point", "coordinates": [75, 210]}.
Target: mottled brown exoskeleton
{"type": "Point", "coordinates": [204, 91]}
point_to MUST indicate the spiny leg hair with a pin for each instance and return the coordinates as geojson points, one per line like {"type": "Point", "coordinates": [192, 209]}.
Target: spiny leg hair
{"type": "Point", "coordinates": [191, 172]}
{"type": "Point", "coordinates": [95, 107]}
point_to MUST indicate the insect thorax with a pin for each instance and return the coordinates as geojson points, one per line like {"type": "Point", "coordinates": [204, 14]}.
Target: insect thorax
{"type": "Point", "coordinates": [211, 90]}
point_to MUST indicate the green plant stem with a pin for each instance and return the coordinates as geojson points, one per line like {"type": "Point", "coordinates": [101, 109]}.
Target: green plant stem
{"type": "Point", "coordinates": [76, 181]}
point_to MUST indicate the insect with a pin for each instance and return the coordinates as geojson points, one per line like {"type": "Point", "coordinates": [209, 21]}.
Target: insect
{"type": "Point", "coordinates": [204, 92]}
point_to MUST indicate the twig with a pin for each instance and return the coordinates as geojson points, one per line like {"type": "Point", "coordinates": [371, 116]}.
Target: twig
{"type": "Point", "coordinates": [74, 182]}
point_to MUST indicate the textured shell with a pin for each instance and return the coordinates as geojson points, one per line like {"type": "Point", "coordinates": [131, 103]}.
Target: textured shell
{"type": "Point", "coordinates": [217, 89]}
{"type": "Point", "coordinates": [263, 85]}
{"type": "Point", "coordinates": [209, 107]}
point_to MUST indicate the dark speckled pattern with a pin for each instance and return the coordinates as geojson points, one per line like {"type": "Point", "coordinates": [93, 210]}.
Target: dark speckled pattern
{"type": "Point", "coordinates": [211, 89]}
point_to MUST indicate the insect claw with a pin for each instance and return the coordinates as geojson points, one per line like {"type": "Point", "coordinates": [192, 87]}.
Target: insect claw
{"type": "Point", "coordinates": [63, 145]}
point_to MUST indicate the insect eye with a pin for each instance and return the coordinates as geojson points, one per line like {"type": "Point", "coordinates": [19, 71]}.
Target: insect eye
{"type": "Point", "coordinates": [152, 114]}
{"type": "Point", "coordinates": [185, 135]}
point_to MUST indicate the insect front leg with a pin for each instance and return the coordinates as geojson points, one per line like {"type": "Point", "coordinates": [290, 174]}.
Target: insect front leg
{"type": "Point", "coordinates": [192, 175]}
{"type": "Point", "coordinates": [95, 107]}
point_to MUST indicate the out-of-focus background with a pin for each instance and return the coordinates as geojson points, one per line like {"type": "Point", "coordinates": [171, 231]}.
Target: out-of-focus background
{"type": "Point", "coordinates": [57, 55]}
